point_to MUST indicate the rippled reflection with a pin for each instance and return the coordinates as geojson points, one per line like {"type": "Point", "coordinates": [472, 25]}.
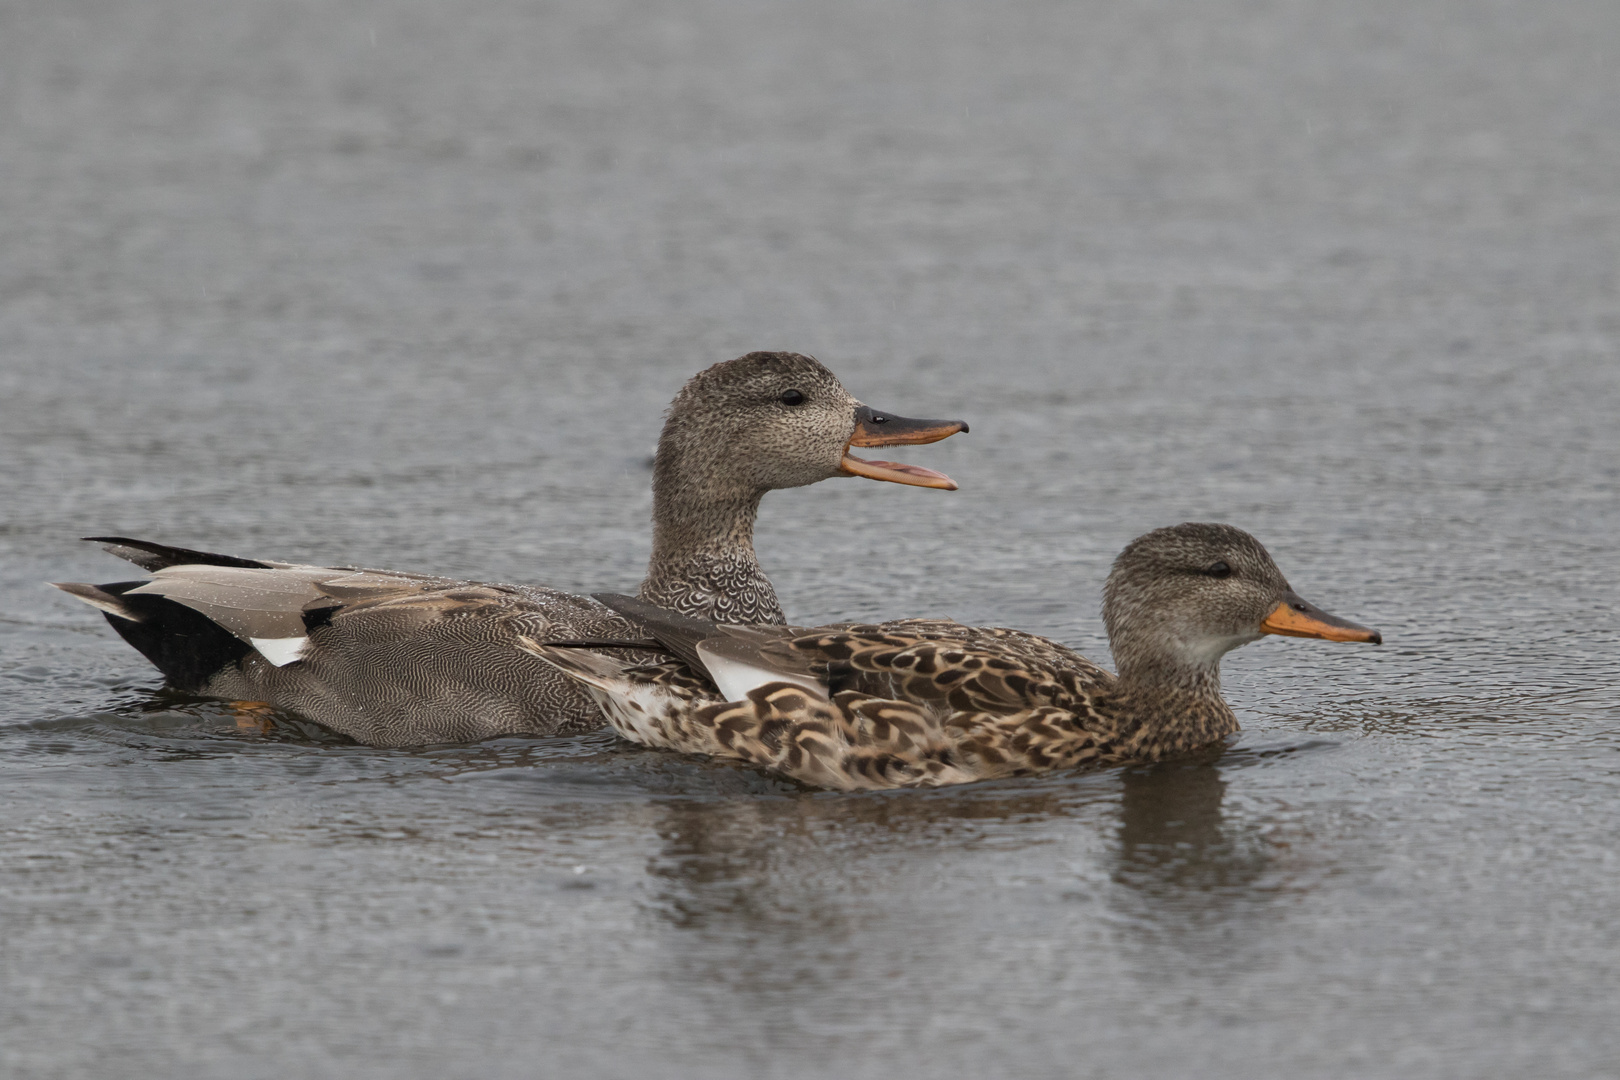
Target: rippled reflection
{"type": "Point", "coordinates": [1197, 882]}
{"type": "Point", "coordinates": [750, 863]}
{"type": "Point", "coordinates": [793, 922]}
{"type": "Point", "coordinates": [1175, 842]}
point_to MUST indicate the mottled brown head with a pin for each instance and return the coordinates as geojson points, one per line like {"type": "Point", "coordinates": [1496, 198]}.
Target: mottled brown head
{"type": "Point", "coordinates": [1184, 596]}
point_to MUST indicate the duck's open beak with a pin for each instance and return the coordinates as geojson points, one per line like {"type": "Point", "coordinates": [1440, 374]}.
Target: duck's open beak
{"type": "Point", "coordinates": [1297, 617]}
{"type": "Point", "coordinates": [875, 428]}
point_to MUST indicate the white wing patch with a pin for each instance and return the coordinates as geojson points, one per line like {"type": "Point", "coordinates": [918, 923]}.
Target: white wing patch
{"type": "Point", "coordinates": [736, 676]}
{"type": "Point", "coordinates": [280, 651]}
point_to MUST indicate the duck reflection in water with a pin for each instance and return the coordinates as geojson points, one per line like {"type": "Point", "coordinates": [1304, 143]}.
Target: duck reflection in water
{"type": "Point", "coordinates": [802, 920]}
{"type": "Point", "coordinates": [1190, 875]}
{"type": "Point", "coordinates": [801, 862]}
{"type": "Point", "coordinates": [755, 864]}
{"type": "Point", "coordinates": [1174, 840]}
{"type": "Point", "coordinates": [798, 918]}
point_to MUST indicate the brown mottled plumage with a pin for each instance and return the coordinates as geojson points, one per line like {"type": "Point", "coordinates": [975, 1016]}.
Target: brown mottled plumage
{"type": "Point", "coordinates": [921, 702]}
{"type": "Point", "coordinates": [395, 659]}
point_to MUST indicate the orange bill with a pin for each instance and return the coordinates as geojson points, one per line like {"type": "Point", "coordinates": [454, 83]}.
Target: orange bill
{"type": "Point", "coordinates": [876, 428]}
{"type": "Point", "coordinates": [1297, 617]}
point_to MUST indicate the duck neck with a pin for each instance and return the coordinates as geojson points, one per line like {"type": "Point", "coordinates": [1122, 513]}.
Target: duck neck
{"type": "Point", "coordinates": [1166, 706]}
{"type": "Point", "coordinates": [703, 562]}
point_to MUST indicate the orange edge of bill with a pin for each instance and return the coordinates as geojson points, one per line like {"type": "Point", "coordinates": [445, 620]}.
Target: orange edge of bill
{"type": "Point", "coordinates": [1286, 621]}
{"type": "Point", "coordinates": [897, 473]}
{"type": "Point", "coordinates": [866, 436]}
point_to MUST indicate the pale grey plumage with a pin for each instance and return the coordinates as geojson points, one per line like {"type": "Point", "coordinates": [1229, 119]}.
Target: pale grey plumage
{"type": "Point", "coordinates": [393, 658]}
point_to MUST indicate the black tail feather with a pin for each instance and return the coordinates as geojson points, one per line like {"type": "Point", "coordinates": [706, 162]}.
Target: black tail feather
{"type": "Point", "coordinates": [150, 556]}
{"type": "Point", "coordinates": [187, 646]}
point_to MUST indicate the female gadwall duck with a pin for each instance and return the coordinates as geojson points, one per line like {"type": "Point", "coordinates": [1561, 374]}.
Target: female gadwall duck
{"type": "Point", "coordinates": [395, 659]}
{"type": "Point", "coordinates": [923, 703]}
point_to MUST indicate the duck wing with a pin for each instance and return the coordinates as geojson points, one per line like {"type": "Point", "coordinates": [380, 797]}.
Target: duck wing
{"type": "Point", "coordinates": [939, 663]}
{"type": "Point", "coordinates": [384, 657]}
{"type": "Point", "coordinates": [275, 609]}
{"type": "Point", "coordinates": [678, 633]}
{"type": "Point", "coordinates": [947, 665]}
{"type": "Point", "coordinates": [735, 657]}
{"type": "Point", "coordinates": [921, 702]}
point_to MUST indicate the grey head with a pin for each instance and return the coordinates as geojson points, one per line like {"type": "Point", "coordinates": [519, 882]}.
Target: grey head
{"type": "Point", "coordinates": [1180, 598]}
{"type": "Point", "coordinates": [737, 430]}
{"type": "Point", "coordinates": [742, 428]}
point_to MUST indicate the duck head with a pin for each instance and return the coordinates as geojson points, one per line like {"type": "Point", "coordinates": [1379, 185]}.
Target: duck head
{"type": "Point", "coordinates": [1180, 598]}
{"type": "Point", "coordinates": [773, 420]}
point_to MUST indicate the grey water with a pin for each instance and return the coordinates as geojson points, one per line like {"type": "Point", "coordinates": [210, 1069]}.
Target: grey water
{"type": "Point", "coordinates": [408, 284]}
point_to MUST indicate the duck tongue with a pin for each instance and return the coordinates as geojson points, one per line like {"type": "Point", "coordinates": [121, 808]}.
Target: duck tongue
{"type": "Point", "coordinates": [897, 473]}
{"type": "Point", "coordinates": [874, 427]}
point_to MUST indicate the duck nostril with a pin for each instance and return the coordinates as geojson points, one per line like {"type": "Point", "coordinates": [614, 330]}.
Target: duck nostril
{"type": "Point", "coordinates": [876, 419]}
{"type": "Point", "coordinates": [1301, 607]}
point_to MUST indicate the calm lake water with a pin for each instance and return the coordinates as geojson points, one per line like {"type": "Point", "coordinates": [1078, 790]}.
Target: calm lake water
{"type": "Point", "coordinates": [409, 284]}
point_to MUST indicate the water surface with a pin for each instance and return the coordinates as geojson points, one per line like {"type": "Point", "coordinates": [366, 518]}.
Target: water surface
{"type": "Point", "coordinates": [408, 284]}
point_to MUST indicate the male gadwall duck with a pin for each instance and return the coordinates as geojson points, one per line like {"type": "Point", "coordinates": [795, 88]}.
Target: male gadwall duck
{"type": "Point", "coordinates": [924, 703]}
{"type": "Point", "coordinates": [396, 659]}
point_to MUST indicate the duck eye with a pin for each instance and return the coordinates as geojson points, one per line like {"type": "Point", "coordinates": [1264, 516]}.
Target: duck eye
{"type": "Point", "coordinates": [1219, 570]}
{"type": "Point", "coordinates": [791, 397]}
